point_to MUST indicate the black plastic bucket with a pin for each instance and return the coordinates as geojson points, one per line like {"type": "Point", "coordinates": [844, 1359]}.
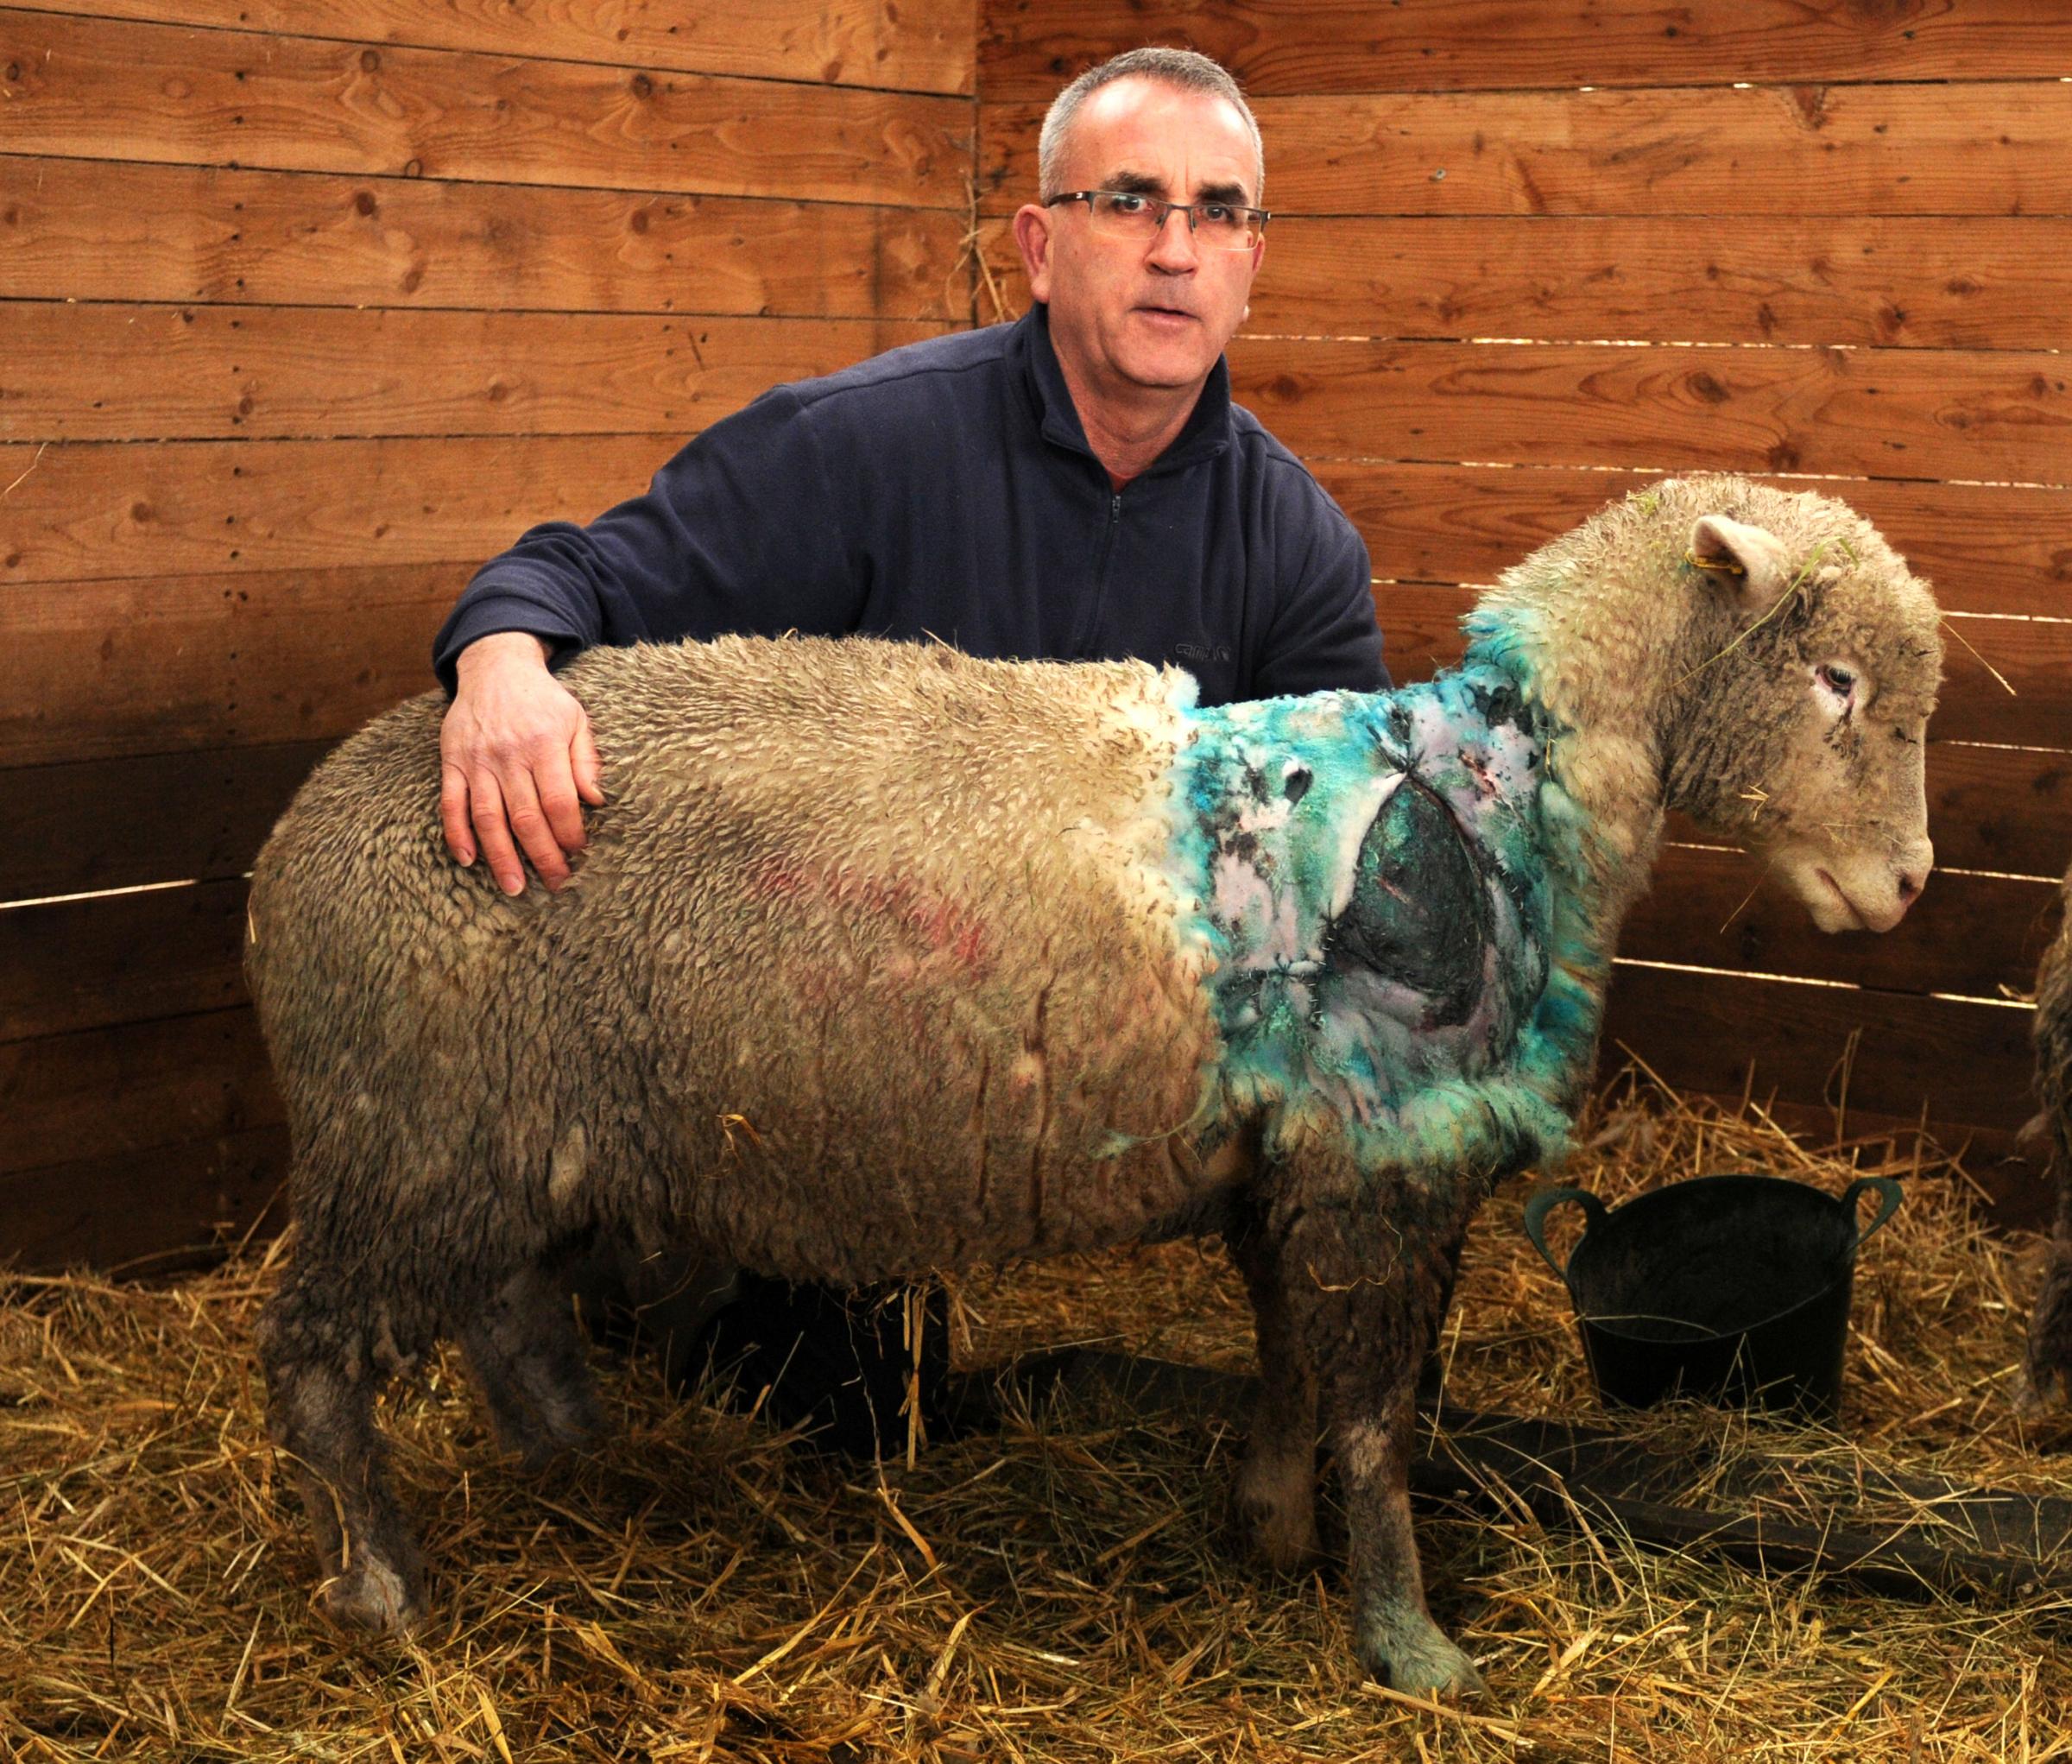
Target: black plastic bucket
{"type": "Point", "coordinates": [1731, 1288]}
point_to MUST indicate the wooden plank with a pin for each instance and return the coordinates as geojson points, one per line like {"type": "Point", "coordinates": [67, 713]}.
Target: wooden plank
{"type": "Point", "coordinates": [84, 510]}
{"type": "Point", "coordinates": [184, 372]}
{"type": "Point", "coordinates": [2030, 704]}
{"type": "Point", "coordinates": [142, 1209]}
{"type": "Point", "coordinates": [96, 230]}
{"type": "Point", "coordinates": [1962, 1060]}
{"type": "Point", "coordinates": [2001, 808]}
{"type": "Point", "coordinates": [121, 1091]}
{"type": "Point", "coordinates": [1961, 281]}
{"type": "Point", "coordinates": [1943, 282]}
{"type": "Point", "coordinates": [917, 45]}
{"type": "Point", "coordinates": [1923, 414]}
{"type": "Point", "coordinates": [122, 823]}
{"type": "Point", "coordinates": [1028, 47]}
{"type": "Point", "coordinates": [1845, 150]}
{"type": "Point", "coordinates": [1996, 548]}
{"type": "Point", "coordinates": [108, 959]}
{"type": "Point", "coordinates": [198, 662]}
{"type": "Point", "coordinates": [189, 372]}
{"type": "Point", "coordinates": [99, 88]}
{"type": "Point", "coordinates": [1968, 935]}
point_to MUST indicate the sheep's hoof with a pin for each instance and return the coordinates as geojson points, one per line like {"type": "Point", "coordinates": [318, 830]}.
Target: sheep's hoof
{"type": "Point", "coordinates": [1281, 1537]}
{"type": "Point", "coordinates": [2042, 1391]}
{"type": "Point", "coordinates": [539, 1448]}
{"type": "Point", "coordinates": [1275, 1516]}
{"type": "Point", "coordinates": [1413, 1656]}
{"type": "Point", "coordinates": [372, 1595]}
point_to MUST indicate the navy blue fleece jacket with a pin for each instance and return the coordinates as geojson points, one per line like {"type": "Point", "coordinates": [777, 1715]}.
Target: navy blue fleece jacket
{"type": "Point", "coordinates": [947, 490]}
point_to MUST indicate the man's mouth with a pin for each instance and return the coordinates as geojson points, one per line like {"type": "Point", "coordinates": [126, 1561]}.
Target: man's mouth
{"type": "Point", "coordinates": [1158, 312]}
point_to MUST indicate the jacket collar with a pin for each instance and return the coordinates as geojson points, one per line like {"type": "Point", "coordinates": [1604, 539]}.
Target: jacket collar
{"type": "Point", "coordinates": [1205, 433]}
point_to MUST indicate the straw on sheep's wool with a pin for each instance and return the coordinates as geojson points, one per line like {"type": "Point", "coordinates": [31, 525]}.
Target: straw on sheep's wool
{"type": "Point", "coordinates": [1056, 1591]}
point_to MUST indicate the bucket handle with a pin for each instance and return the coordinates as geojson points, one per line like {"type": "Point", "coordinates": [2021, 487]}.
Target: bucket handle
{"type": "Point", "coordinates": [1543, 1201]}
{"type": "Point", "coordinates": [1889, 1193]}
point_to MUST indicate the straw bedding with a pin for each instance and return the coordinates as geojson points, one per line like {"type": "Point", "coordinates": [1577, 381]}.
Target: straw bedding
{"type": "Point", "coordinates": [700, 1588]}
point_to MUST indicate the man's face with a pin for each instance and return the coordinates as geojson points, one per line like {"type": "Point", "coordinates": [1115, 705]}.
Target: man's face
{"type": "Point", "coordinates": [1130, 314]}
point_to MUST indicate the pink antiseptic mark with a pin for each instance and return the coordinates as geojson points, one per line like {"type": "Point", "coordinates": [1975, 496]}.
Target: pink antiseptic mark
{"type": "Point", "coordinates": [937, 924]}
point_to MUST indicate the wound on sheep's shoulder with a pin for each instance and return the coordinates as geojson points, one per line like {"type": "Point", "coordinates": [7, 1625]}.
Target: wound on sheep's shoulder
{"type": "Point", "coordinates": [1384, 897]}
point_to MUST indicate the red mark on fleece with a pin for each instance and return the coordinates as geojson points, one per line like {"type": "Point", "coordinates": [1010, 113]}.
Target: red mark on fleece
{"type": "Point", "coordinates": [936, 923]}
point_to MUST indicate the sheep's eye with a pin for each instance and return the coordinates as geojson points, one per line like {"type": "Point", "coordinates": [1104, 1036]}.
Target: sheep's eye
{"type": "Point", "coordinates": [1838, 681]}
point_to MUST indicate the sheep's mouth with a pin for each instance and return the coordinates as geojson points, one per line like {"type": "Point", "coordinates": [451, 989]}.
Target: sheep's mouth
{"type": "Point", "coordinates": [1857, 921]}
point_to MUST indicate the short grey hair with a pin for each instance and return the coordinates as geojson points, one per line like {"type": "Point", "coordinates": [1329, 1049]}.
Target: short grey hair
{"type": "Point", "coordinates": [1184, 68]}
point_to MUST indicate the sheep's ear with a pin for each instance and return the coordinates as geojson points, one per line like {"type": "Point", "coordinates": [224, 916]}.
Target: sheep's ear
{"type": "Point", "coordinates": [1745, 565]}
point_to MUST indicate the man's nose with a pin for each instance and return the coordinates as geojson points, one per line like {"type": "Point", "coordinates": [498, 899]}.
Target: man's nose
{"type": "Point", "coordinates": [1172, 247]}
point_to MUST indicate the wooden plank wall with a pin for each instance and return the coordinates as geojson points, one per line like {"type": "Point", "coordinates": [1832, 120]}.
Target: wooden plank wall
{"type": "Point", "coordinates": [310, 306]}
{"type": "Point", "coordinates": [1526, 257]}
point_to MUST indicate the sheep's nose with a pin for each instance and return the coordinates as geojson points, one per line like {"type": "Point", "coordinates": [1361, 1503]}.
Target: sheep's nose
{"type": "Point", "coordinates": [1911, 882]}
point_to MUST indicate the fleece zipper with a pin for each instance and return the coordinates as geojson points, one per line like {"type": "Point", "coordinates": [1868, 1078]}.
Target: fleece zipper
{"type": "Point", "coordinates": [1082, 643]}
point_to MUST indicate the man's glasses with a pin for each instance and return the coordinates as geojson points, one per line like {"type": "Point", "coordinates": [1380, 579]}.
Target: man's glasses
{"type": "Point", "coordinates": [1128, 214]}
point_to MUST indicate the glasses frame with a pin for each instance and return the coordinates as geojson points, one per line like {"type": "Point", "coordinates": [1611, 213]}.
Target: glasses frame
{"type": "Point", "coordinates": [1160, 209]}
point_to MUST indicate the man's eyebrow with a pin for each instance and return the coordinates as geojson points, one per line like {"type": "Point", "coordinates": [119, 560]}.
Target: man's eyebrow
{"type": "Point", "coordinates": [1136, 184]}
{"type": "Point", "coordinates": [1143, 184]}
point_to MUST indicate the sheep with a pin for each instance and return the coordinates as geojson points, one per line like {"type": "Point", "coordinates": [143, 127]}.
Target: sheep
{"type": "Point", "coordinates": [2047, 1362]}
{"type": "Point", "coordinates": [882, 960]}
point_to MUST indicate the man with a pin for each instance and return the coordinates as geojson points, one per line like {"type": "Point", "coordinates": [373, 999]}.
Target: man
{"type": "Point", "coordinates": [1076, 485]}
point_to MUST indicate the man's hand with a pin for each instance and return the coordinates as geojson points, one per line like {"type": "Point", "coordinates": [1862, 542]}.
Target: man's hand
{"type": "Point", "coordinates": [515, 755]}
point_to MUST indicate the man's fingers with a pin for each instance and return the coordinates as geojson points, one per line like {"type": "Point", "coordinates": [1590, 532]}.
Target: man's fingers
{"type": "Point", "coordinates": [510, 745]}
{"type": "Point", "coordinates": [530, 827]}
{"type": "Point", "coordinates": [556, 783]}
{"type": "Point", "coordinates": [485, 810]}
{"type": "Point", "coordinates": [453, 813]}
{"type": "Point", "coordinates": [590, 769]}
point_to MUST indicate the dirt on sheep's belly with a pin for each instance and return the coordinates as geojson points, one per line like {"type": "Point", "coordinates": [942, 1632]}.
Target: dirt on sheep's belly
{"type": "Point", "coordinates": [974, 1106]}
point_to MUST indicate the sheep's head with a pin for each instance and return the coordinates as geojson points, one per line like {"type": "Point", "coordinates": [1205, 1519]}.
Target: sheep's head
{"type": "Point", "coordinates": [1800, 726]}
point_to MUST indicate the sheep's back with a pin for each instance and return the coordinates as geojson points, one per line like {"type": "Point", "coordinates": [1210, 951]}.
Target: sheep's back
{"type": "Point", "coordinates": [865, 932]}
{"type": "Point", "coordinates": [906, 941]}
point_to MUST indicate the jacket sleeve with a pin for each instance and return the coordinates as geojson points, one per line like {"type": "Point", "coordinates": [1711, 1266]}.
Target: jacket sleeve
{"type": "Point", "coordinates": [742, 531]}
{"type": "Point", "coordinates": [1325, 636]}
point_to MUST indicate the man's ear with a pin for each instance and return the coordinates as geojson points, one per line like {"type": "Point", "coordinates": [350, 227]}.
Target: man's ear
{"type": "Point", "coordinates": [1033, 235]}
{"type": "Point", "coordinates": [1747, 566]}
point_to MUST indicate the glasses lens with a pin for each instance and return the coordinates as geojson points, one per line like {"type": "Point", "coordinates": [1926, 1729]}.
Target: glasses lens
{"type": "Point", "coordinates": [1224, 227]}
{"type": "Point", "coordinates": [1122, 214]}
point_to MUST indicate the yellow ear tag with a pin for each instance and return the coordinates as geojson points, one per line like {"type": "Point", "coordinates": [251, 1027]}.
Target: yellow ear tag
{"type": "Point", "coordinates": [1720, 568]}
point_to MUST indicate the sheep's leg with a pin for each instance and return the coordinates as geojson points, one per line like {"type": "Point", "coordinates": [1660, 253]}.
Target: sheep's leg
{"type": "Point", "coordinates": [2047, 1359]}
{"type": "Point", "coordinates": [1277, 1486]}
{"type": "Point", "coordinates": [527, 1355]}
{"type": "Point", "coordinates": [2047, 1362]}
{"type": "Point", "coordinates": [322, 1378]}
{"type": "Point", "coordinates": [1398, 1641]}
{"type": "Point", "coordinates": [1371, 1279]}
